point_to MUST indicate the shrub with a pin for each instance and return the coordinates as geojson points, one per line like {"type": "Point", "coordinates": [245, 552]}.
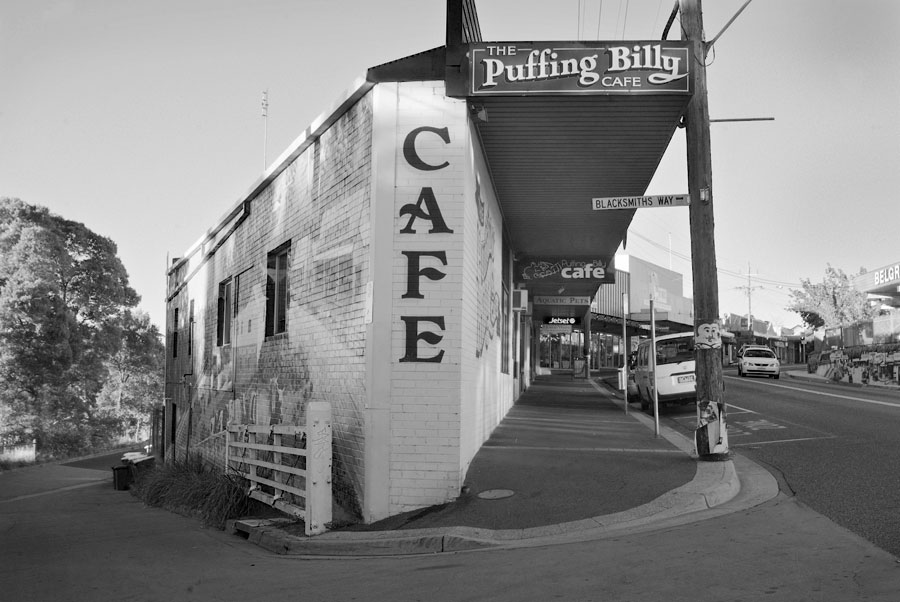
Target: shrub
{"type": "Point", "coordinates": [192, 489]}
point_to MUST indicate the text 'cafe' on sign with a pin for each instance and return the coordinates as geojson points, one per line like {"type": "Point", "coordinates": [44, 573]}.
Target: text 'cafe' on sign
{"type": "Point", "coordinates": [648, 67]}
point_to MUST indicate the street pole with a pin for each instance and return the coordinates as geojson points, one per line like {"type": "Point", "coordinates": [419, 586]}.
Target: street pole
{"type": "Point", "coordinates": [265, 116]}
{"type": "Point", "coordinates": [653, 368]}
{"type": "Point", "coordinates": [707, 331]}
{"type": "Point", "coordinates": [625, 347]}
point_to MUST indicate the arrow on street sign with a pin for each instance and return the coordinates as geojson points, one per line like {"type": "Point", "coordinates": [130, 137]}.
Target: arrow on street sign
{"type": "Point", "coordinates": [641, 202]}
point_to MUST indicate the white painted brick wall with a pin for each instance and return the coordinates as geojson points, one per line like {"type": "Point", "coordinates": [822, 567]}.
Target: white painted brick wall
{"type": "Point", "coordinates": [320, 202]}
{"type": "Point", "coordinates": [425, 427]}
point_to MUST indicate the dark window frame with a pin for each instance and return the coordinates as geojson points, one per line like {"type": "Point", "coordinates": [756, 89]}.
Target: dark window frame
{"type": "Point", "coordinates": [277, 285]}
{"type": "Point", "coordinates": [190, 349]}
{"type": "Point", "coordinates": [175, 334]}
{"type": "Point", "coordinates": [224, 312]}
{"type": "Point", "coordinates": [505, 342]}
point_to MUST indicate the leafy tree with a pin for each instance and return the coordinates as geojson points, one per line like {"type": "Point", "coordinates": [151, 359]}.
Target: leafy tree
{"type": "Point", "coordinates": [136, 374]}
{"type": "Point", "coordinates": [63, 293]}
{"type": "Point", "coordinates": [832, 302]}
{"type": "Point", "coordinates": [812, 319]}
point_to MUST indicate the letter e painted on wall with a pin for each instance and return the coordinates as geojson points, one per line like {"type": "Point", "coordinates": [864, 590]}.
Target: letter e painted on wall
{"type": "Point", "coordinates": [413, 336]}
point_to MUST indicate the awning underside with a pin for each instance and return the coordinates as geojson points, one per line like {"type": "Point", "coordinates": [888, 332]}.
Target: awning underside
{"type": "Point", "coordinates": [550, 155]}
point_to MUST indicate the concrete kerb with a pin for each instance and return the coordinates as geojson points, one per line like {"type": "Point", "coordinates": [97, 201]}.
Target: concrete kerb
{"type": "Point", "coordinates": [815, 378]}
{"type": "Point", "coordinates": [714, 485]}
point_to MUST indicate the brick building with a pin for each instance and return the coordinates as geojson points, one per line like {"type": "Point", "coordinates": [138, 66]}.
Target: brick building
{"type": "Point", "coordinates": [382, 264]}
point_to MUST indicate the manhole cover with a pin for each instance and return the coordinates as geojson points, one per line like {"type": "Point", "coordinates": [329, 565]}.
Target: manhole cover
{"type": "Point", "coordinates": [495, 494]}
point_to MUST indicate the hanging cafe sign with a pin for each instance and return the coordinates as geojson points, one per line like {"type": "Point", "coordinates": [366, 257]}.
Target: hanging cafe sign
{"type": "Point", "coordinates": [598, 270]}
{"type": "Point", "coordinates": [579, 68]}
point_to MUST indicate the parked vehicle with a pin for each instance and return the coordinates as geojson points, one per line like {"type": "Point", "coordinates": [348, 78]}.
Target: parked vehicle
{"type": "Point", "coordinates": [758, 360]}
{"type": "Point", "coordinates": [675, 381]}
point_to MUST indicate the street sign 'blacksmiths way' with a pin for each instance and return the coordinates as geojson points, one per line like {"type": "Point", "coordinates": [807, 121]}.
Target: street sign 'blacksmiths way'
{"type": "Point", "coordinates": [641, 202]}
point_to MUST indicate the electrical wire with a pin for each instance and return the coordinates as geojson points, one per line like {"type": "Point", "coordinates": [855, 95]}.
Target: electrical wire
{"type": "Point", "coordinates": [720, 270]}
{"type": "Point", "coordinates": [765, 288]}
{"type": "Point", "coordinates": [599, 18]}
{"type": "Point", "coordinates": [618, 16]}
{"type": "Point", "coordinates": [656, 19]}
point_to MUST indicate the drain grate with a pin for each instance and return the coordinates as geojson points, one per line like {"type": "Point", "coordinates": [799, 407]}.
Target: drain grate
{"type": "Point", "coordinates": [496, 494]}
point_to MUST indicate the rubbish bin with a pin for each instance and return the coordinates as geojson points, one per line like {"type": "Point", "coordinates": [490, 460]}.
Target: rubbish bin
{"type": "Point", "coordinates": [121, 477]}
{"type": "Point", "coordinates": [578, 369]}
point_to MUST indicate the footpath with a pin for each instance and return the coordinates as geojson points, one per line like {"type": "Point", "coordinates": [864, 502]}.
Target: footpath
{"type": "Point", "coordinates": [570, 460]}
{"type": "Point", "coordinates": [571, 498]}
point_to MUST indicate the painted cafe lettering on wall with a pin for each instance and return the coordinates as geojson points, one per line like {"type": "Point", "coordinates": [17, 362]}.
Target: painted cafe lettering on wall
{"type": "Point", "coordinates": [419, 263]}
{"type": "Point", "coordinates": [578, 68]}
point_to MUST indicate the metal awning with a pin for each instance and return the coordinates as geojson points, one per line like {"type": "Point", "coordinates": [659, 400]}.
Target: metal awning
{"type": "Point", "coordinates": [550, 155]}
{"type": "Point", "coordinates": [552, 149]}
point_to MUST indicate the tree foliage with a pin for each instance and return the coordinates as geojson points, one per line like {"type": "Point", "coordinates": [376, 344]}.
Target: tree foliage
{"type": "Point", "coordinates": [64, 316]}
{"type": "Point", "coordinates": [832, 302]}
{"type": "Point", "coordinates": [135, 382]}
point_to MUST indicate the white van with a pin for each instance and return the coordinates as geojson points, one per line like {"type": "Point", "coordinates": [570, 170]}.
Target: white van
{"type": "Point", "coordinates": [675, 378]}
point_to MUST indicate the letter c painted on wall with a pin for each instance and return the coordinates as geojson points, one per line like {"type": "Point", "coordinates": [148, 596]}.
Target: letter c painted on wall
{"type": "Point", "coordinates": [409, 148]}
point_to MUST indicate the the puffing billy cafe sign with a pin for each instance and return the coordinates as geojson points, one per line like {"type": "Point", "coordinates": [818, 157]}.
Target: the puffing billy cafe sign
{"type": "Point", "coordinates": [578, 68]}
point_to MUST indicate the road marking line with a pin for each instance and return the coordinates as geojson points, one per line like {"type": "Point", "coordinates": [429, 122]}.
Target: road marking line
{"type": "Point", "coordinates": [69, 488]}
{"type": "Point", "coordinates": [847, 397]}
{"type": "Point", "coordinates": [784, 441]}
{"type": "Point", "coordinates": [585, 449]}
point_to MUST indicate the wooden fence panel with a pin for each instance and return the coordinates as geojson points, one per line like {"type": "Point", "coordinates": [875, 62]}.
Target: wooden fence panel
{"type": "Point", "coordinates": [273, 465]}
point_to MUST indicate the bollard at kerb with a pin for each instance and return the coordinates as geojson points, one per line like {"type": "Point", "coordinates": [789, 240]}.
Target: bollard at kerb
{"type": "Point", "coordinates": [318, 467]}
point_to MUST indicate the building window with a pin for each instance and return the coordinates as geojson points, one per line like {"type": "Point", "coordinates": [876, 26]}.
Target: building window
{"type": "Point", "coordinates": [175, 334]}
{"type": "Point", "coordinates": [276, 290]}
{"type": "Point", "coordinates": [173, 427]}
{"type": "Point", "coordinates": [504, 338]}
{"type": "Point", "coordinates": [225, 312]}
{"type": "Point", "coordinates": [190, 340]}
{"type": "Point", "coordinates": [505, 343]}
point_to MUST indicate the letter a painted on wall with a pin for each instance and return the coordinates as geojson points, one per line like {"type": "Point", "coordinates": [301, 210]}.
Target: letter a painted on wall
{"type": "Point", "coordinates": [431, 212]}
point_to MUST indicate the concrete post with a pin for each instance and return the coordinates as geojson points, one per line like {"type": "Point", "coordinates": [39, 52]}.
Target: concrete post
{"type": "Point", "coordinates": [318, 467]}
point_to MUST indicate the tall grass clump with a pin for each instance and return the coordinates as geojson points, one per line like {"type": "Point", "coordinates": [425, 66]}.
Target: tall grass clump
{"type": "Point", "coordinates": [191, 488]}
{"type": "Point", "coordinates": [11, 464]}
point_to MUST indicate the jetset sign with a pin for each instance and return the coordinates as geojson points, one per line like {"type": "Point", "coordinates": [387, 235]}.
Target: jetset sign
{"type": "Point", "coordinates": [571, 321]}
{"type": "Point", "coordinates": [579, 68]}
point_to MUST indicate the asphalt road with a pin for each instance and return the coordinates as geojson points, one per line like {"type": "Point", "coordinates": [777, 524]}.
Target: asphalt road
{"type": "Point", "coordinates": [836, 448]}
{"type": "Point", "coordinates": [66, 534]}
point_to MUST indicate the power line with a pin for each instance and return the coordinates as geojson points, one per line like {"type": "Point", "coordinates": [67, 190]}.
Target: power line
{"type": "Point", "coordinates": [578, 20]}
{"type": "Point", "coordinates": [720, 270]}
{"type": "Point", "coordinates": [656, 19]}
{"type": "Point", "coordinates": [618, 15]}
{"type": "Point", "coordinates": [599, 18]}
{"type": "Point", "coordinates": [625, 20]}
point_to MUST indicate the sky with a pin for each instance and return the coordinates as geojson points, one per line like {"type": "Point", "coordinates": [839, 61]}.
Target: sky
{"type": "Point", "coordinates": [143, 121]}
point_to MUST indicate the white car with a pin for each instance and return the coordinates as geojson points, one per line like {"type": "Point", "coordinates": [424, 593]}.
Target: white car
{"type": "Point", "coordinates": [760, 361]}
{"type": "Point", "coordinates": [674, 380]}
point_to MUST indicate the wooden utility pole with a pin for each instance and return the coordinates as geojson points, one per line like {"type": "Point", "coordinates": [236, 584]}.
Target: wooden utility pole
{"type": "Point", "coordinates": [710, 388]}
